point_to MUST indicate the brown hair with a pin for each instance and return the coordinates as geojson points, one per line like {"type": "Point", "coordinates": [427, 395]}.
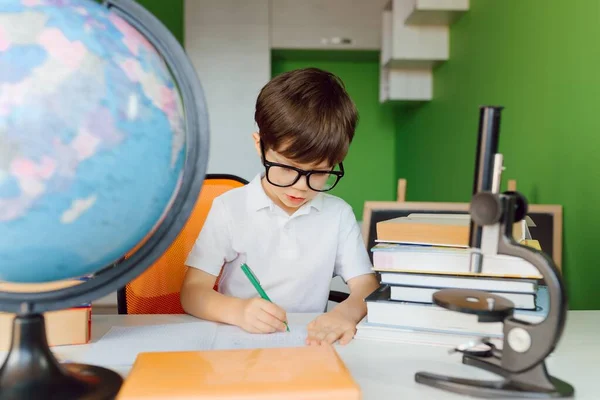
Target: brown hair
{"type": "Point", "coordinates": [307, 116]}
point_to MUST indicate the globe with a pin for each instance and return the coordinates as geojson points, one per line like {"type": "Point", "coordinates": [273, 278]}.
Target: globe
{"type": "Point", "coordinates": [103, 151]}
{"type": "Point", "coordinates": [91, 138]}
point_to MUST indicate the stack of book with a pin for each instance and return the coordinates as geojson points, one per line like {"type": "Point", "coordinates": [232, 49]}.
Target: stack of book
{"type": "Point", "coordinates": [420, 254]}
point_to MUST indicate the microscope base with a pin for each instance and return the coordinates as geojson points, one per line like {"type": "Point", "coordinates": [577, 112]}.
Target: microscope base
{"type": "Point", "coordinates": [532, 384]}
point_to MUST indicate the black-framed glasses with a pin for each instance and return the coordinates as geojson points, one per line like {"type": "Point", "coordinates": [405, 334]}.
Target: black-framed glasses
{"type": "Point", "coordinates": [282, 175]}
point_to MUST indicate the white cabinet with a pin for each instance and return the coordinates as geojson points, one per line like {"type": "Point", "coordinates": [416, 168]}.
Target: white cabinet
{"type": "Point", "coordinates": [411, 45]}
{"type": "Point", "coordinates": [326, 24]}
{"type": "Point", "coordinates": [437, 12]}
{"type": "Point", "coordinates": [415, 37]}
{"type": "Point", "coordinates": [405, 84]}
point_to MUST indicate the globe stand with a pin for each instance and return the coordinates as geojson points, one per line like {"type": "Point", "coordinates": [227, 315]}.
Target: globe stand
{"type": "Point", "coordinates": [31, 371]}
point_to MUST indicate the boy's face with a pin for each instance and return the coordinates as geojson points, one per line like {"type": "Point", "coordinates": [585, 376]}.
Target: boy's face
{"type": "Point", "coordinates": [292, 197]}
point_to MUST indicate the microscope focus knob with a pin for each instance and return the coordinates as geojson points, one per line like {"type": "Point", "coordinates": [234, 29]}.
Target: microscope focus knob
{"type": "Point", "coordinates": [519, 339]}
{"type": "Point", "coordinates": [520, 205]}
{"type": "Point", "coordinates": [486, 208]}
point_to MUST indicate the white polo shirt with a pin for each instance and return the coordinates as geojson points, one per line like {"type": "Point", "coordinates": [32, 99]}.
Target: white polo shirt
{"type": "Point", "coordinates": [293, 256]}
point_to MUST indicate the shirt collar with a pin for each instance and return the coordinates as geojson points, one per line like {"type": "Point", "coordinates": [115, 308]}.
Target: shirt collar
{"type": "Point", "coordinates": [258, 199]}
{"type": "Point", "coordinates": [317, 202]}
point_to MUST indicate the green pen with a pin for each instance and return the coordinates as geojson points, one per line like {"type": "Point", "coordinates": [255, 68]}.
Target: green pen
{"type": "Point", "coordinates": [254, 280]}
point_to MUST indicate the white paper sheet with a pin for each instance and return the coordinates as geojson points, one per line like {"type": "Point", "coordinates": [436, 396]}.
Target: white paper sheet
{"type": "Point", "coordinates": [232, 337]}
{"type": "Point", "coordinates": [121, 345]}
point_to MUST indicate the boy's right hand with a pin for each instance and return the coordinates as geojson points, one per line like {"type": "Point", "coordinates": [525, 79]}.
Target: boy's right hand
{"type": "Point", "coordinates": [261, 316]}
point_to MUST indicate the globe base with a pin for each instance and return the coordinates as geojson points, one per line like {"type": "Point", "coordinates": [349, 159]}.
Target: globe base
{"type": "Point", "coordinates": [31, 370]}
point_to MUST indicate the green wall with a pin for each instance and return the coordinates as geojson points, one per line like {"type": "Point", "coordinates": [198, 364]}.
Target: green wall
{"type": "Point", "coordinates": [370, 164]}
{"type": "Point", "coordinates": [539, 59]}
{"type": "Point", "coordinates": [169, 13]}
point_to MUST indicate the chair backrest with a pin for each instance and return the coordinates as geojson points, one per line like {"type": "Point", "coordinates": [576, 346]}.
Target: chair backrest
{"type": "Point", "coordinates": [157, 289]}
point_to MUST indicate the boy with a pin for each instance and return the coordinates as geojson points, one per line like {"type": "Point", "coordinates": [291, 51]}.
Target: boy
{"type": "Point", "coordinates": [292, 234]}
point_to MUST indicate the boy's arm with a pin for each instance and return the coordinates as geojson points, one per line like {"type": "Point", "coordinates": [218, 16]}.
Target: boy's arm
{"type": "Point", "coordinates": [354, 307]}
{"type": "Point", "coordinates": [210, 252]}
{"type": "Point", "coordinates": [354, 266]}
{"type": "Point", "coordinates": [198, 298]}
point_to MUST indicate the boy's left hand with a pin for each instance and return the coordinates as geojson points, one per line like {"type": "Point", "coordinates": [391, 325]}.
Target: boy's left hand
{"type": "Point", "coordinates": [339, 324]}
{"type": "Point", "coordinates": [329, 328]}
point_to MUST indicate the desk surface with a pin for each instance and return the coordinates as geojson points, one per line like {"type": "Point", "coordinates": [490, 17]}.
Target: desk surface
{"type": "Point", "coordinates": [386, 370]}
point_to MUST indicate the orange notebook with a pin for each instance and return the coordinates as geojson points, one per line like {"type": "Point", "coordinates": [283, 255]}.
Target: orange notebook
{"type": "Point", "coordinates": [307, 373]}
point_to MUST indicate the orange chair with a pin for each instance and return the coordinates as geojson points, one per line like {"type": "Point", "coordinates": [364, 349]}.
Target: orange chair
{"type": "Point", "coordinates": [156, 290]}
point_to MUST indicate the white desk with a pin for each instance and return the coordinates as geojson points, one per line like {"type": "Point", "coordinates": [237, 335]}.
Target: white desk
{"type": "Point", "coordinates": [386, 370]}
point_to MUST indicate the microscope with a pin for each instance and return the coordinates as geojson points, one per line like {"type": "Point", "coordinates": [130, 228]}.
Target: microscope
{"type": "Point", "coordinates": [520, 362]}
